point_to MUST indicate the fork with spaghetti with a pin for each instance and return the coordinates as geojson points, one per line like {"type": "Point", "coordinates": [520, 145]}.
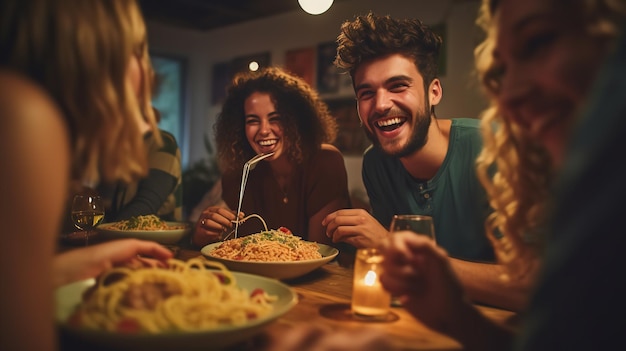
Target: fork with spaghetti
{"type": "Point", "coordinates": [243, 220]}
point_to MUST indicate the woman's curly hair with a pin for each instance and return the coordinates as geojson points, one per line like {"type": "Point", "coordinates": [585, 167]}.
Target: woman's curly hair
{"type": "Point", "coordinates": [306, 119]}
{"type": "Point", "coordinates": [371, 36]}
{"type": "Point", "coordinates": [519, 188]}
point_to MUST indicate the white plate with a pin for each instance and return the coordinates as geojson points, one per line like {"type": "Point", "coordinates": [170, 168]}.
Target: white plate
{"type": "Point", "coordinates": [277, 270]}
{"type": "Point", "coordinates": [69, 296]}
{"type": "Point", "coordinates": [161, 236]}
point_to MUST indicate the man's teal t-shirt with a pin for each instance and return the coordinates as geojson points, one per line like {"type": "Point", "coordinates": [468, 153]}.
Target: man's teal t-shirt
{"type": "Point", "coordinates": [453, 197]}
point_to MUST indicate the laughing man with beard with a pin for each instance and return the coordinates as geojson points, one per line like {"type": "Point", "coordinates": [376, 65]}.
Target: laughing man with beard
{"type": "Point", "coordinates": [418, 164]}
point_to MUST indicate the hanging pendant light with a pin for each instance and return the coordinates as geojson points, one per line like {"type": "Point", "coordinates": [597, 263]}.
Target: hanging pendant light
{"type": "Point", "coordinates": [315, 7]}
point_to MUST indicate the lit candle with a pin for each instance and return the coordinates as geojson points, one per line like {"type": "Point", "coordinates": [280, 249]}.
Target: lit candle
{"type": "Point", "coordinates": [369, 298]}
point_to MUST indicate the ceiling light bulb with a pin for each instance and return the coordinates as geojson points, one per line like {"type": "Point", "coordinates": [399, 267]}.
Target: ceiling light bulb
{"type": "Point", "coordinates": [315, 7]}
{"type": "Point", "coordinates": [253, 66]}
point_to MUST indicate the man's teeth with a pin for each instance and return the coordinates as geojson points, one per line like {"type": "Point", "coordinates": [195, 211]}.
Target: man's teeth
{"type": "Point", "coordinates": [267, 142]}
{"type": "Point", "coordinates": [388, 122]}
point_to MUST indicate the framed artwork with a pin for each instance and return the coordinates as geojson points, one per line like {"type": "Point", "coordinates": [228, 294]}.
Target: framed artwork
{"type": "Point", "coordinates": [169, 95]}
{"type": "Point", "coordinates": [301, 62]}
{"type": "Point", "coordinates": [330, 80]}
{"type": "Point", "coordinates": [351, 138]}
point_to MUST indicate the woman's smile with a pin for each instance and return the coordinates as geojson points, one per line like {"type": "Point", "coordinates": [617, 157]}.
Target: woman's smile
{"type": "Point", "coordinates": [264, 129]}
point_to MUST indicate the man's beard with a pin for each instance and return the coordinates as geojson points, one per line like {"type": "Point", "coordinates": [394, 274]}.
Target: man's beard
{"type": "Point", "coordinates": [417, 140]}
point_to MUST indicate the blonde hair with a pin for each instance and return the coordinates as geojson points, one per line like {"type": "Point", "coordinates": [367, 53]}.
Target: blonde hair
{"type": "Point", "coordinates": [79, 51]}
{"type": "Point", "coordinates": [519, 185]}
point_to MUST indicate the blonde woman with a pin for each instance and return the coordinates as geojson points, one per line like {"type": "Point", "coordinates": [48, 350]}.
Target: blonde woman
{"type": "Point", "coordinates": [538, 65]}
{"type": "Point", "coordinates": [69, 73]}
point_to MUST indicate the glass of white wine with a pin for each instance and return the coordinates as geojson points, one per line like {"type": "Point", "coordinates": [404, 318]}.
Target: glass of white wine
{"type": "Point", "coordinates": [87, 213]}
{"type": "Point", "coordinates": [418, 224]}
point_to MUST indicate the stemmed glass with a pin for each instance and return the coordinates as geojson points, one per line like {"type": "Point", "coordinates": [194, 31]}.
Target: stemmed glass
{"type": "Point", "coordinates": [87, 213]}
{"type": "Point", "coordinates": [419, 224]}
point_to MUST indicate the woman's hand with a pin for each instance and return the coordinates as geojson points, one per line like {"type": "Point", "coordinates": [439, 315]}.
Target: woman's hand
{"type": "Point", "coordinates": [211, 224]}
{"type": "Point", "coordinates": [419, 272]}
{"type": "Point", "coordinates": [89, 262]}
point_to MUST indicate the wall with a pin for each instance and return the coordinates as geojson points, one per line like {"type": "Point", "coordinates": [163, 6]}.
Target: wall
{"type": "Point", "coordinates": [284, 32]}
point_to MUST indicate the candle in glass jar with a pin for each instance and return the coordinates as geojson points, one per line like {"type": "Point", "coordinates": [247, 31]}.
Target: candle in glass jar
{"type": "Point", "coordinates": [369, 298]}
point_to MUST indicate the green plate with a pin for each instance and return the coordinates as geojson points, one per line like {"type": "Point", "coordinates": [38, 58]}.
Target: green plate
{"type": "Point", "coordinates": [69, 296]}
{"type": "Point", "coordinates": [167, 237]}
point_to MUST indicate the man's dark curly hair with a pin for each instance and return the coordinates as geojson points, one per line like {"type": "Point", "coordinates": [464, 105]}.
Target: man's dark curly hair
{"type": "Point", "coordinates": [306, 120]}
{"type": "Point", "coordinates": [371, 36]}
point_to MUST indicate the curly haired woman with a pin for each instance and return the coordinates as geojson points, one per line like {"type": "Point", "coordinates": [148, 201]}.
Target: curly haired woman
{"type": "Point", "coordinates": [303, 181]}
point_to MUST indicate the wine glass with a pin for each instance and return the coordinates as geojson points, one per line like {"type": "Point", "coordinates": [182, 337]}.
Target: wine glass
{"type": "Point", "coordinates": [87, 213]}
{"type": "Point", "coordinates": [419, 224]}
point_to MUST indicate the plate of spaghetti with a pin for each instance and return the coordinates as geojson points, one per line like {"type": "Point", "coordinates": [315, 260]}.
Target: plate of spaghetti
{"type": "Point", "coordinates": [275, 253]}
{"type": "Point", "coordinates": [149, 227]}
{"type": "Point", "coordinates": [196, 304]}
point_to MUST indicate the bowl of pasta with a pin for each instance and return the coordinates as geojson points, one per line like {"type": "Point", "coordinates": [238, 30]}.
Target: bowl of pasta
{"type": "Point", "coordinates": [275, 253]}
{"type": "Point", "coordinates": [149, 227]}
{"type": "Point", "coordinates": [191, 305]}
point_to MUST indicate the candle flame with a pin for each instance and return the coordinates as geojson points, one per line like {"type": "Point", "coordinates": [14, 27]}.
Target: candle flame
{"type": "Point", "coordinates": [370, 278]}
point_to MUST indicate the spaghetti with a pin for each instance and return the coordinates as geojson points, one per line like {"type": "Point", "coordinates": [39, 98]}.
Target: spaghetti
{"type": "Point", "coordinates": [186, 296]}
{"type": "Point", "coordinates": [147, 222]}
{"type": "Point", "coordinates": [268, 246]}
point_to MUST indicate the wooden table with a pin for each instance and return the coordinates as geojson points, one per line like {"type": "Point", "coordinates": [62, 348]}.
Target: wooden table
{"type": "Point", "coordinates": [324, 297]}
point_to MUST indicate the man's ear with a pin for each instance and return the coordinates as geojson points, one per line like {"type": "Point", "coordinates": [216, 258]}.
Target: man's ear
{"type": "Point", "coordinates": [435, 92]}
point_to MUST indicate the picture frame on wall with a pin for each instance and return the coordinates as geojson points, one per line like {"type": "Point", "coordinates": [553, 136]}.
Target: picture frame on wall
{"type": "Point", "coordinates": [301, 62]}
{"type": "Point", "coordinates": [330, 79]}
{"type": "Point", "coordinates": [169, 95]}
{"type": "Point", "coordinates": [351, 138]}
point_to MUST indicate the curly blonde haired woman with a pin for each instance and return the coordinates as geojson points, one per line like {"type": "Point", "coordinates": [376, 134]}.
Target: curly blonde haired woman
{"type": "Point", "coordinates": [527, 151]}
{"type": "Point", "coordinates": [538, 65]}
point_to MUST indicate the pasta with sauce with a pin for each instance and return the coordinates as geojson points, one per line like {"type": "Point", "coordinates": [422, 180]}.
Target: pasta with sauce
{"type": "Point", "coordinates": [147, 222]}
{"type": "Point", "coordinates": [186, 296]}
{"type": "Point", "coordinates": [268, 246]}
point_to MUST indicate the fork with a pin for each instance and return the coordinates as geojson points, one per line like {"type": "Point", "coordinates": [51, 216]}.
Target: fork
{"type": "Point", "coordinates": [249, 165]}
{"type": "Point", "coordinates": [257, 158]}
{"type": "Point", "coordinates": [235, 221]}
